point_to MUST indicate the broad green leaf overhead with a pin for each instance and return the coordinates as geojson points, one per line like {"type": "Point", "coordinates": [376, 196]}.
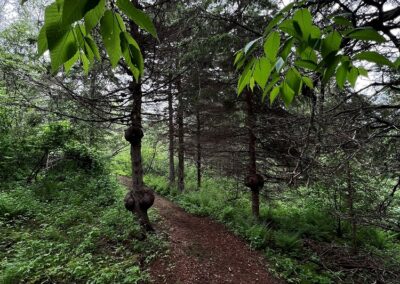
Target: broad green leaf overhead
{"type": "Point", "coordinates": [262, 71]}
{"type": "Point", "coordinates": [352, 76]}
{"type": "Point", "coordinates": [271, 45]}
{"type": "Point", "coordinates": [287, 94]}
{"type": "Point", "coordinates": [331, 43]}
{"type": "Point", "coordinates": [110, 30]}
{"type": "Point", "coordinates": [93, 17]}
{"type": "Point", "coordinates": [42, 41]}
{"type": "Point", "coordinates": [74, 10]}
{"type": "Point", "coordinates": [63, 51]}
{"type": "Point", "coordinates": [274, 94]}
{"type": "Point", "coordinates": [248, 46]}
{"type": "Point", "coordinates": [375, 57]}
{"type": "Point", "coordinates": [340, 20]}
{"type": "Point", "coordinates": [303, 19]}
{"type": "Point", "coordinates": [309, 83]}
{"type": "Point", "coordinates": [368, 34]}
{"type": "Point", "coordinates": [60, 39]}
{"type": "Point", "coordinates": [68, 65]}
{"type": "Point", "coordinates": [341, 75]}
{"type": "Point", "coordinates": [55, 30]}
{"type": "Point", "coordinates": [132, 54]}
{"type": "Point", "coordinates": [139, 17]}
{"type": "Point", "coordinates": [67, 33]}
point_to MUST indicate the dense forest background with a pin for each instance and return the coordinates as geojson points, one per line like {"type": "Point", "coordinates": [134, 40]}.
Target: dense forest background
{"type": "Point", "coordinates": [313, 184]}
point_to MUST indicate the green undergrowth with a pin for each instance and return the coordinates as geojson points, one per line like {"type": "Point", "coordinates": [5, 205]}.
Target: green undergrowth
{"type": "Point", "coordinates": [284, 231]}
{"type": "Point", "coordinates": [292, 232]}
{"type": "Point", "coordinates": [71, 228]}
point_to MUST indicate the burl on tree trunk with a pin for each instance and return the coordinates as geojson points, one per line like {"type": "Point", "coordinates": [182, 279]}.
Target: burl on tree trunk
{"type": "Point", "coordinates": [139, 199]}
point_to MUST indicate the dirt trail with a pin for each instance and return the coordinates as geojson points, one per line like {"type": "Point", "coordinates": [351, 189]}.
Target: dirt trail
{"type": "Point", "coordinates": [203, 251]}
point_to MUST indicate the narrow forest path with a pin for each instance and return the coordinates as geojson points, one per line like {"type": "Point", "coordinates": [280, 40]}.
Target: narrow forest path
{"type": "Point", "coordinates": [203, 251]}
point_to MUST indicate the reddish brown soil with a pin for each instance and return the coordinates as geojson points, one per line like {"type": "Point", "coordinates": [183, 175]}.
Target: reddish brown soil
{"type": "Point", "coordinates": [202, 251]}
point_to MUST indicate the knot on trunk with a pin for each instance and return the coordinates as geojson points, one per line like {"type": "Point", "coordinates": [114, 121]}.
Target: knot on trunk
{"type": "Point", "coordinates": [254, 181]}
{"type": "Point", "coordinates": [144, 199]}
{"type": "Point", "coordinates": [133, 135]}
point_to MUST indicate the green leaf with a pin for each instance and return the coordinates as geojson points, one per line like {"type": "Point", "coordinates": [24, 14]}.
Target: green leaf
{"type": "Point", "coordinates": [315, 32]}
{"type": "Point", "coordinates": [287, 27]}
{"type": "Point", "coordinates": [367, 34]}
{"type": "Point", "coordinates": [42, 41]}
{"type": "Point", "coordinates": [373, 57]}
{"type": "Point", "coordinates": [139, 17]}
{"type": "Point", "coordinates": [132, 54]}
{"type": "Point", "coordinates": [363, 72]}
{"type": "Point", "coordinates": [85, 63]}
{"type": "Point", "coordinates": [352, 76]}
{"type": "Point", "coordinates": [93, 16]}
{"type": "Point", "coordinates": [89, 43]}
{"type": "Point", "coordinates": [74, 10]}
{"type": "Point", "coordinates": [297, 28]}
{"type": "Point", "coordinates": [244, 78]}
{"type": "Point", "coordinates": [341, 75]}
{"type": "Point", "coordinates": [60, 39]}
{"type": "Point", "coordinates": [271, 45]}
{"type": "Point", "coordinates": [331, 43]}
{"type": "Point", "coordinates": [303, 18]}
{"type": "Point", "coordinates": [274, 94]}
{"type": "Point", "coordinates": [331, 63]}
{"type": "Point", "coordinates": [262, 71]}
{"type": "Point", "coordinates": [309, 55]}
{"type": "Point", "coordinates": [287, 48]}
{"type": "Point", "coordinates": [343, 21]}
{"type": "Point", "coordinates": [238, 57]}
{"type": "Point", "coordinates": [306, 64]}
{"type": "Point", "coordinates": [308, 82]}
{"type": "Point", "coordinates": [55, 31]}
{"type": "Point", "coordinates": [293, 79]}
{"type": "Point", "coordinates": [252, 83]}
{"type": "Point", "coordinates": [287, 94]}
{"type": "Point", "coordinates": [274, 80]}
{"type": "Point", "coordinates": [274, 21]}
{"type": "Point", "coordinates": [110, 30]}
{"type": "Point", "coordinates": [397, 63]}
{"type": "Point", "coordinates": [249, 45]}
{"type": "Point", "coordinates": [68, 65]}
{"type": "Point", "coordinates": [63, 51]}
{"type": "Point", "coordinates": [279, 64]}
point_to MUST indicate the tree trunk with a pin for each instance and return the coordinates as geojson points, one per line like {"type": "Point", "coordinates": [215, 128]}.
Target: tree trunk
{"type": "Point", "coordinates": [255, 203]}
{"type": "Point", "coordinates": [198, 148]}
{"type": "Point", "coordinates": [171, 131]}
{"type": "Point", "coordinates": [350, 200]}
{"type": "Point", "coordinates": [139, 199]}
{"type": "Point", "coordinates": [252, 167]}
{"type": "Point", "coordinates": [181, 145]}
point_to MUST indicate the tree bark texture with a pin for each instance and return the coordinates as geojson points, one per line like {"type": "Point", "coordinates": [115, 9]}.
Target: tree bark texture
{"type": "Point", "coordinates": [171, 133]}
{"type": "Point", "coordinates": [181, 142]}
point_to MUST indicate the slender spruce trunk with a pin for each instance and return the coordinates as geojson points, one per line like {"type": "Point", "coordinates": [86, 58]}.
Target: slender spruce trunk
{"type": "Point", "coordinates": [181, 142]}
{"type": "Point", "coordinates": [252, 167]}
{"type": "Point", "coordinates": [171, 133]}
{"type": "Point", "coordinates": [198, 148]}
{"type": "Point", "coordinates": [350, 200]}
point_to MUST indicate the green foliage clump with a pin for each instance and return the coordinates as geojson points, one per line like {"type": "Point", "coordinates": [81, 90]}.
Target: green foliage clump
{"type": "Point", "coordinates": [73, 229]}
{"type": "Point", "coordinates": [285, 229]}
